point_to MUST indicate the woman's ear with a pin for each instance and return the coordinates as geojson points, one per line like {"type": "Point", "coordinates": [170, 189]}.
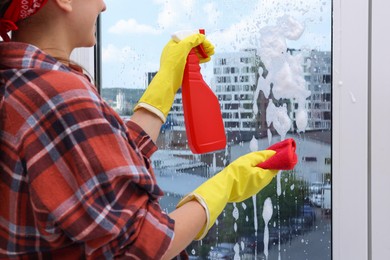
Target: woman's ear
{"type": "Point", "coordinates": [65, 5]}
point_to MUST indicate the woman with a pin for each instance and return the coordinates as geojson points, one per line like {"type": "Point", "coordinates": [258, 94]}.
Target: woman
{"type": "Point", "coordinates": [76, 181]}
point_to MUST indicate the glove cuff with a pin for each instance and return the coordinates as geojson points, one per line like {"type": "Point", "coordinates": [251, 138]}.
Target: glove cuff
{"type": "Point", "coordinates": [151, 109]}
{"type": "Point", "coordinates": [193, 196]}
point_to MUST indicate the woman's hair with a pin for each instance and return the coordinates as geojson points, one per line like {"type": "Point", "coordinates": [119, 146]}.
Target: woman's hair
{"type": "Point", "coordinates": [3, 6]}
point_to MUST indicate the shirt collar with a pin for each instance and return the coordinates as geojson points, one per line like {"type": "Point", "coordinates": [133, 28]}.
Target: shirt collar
{"type": "Point", "coordinates": [18, 55]}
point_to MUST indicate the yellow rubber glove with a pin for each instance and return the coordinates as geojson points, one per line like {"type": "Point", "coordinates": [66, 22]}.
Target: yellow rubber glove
{"type": "Point", "coordinates": [238, 181]}
{"type": "Point", "coordinates": [160, 94]}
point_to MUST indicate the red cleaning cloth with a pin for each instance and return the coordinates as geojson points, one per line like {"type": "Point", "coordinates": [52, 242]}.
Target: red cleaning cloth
{"type": "Point", "coordinates": [285, 157]}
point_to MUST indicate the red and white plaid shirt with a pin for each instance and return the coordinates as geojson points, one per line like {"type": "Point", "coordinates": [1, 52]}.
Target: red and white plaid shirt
{"type": "Point", "coordinates": [75, 181]}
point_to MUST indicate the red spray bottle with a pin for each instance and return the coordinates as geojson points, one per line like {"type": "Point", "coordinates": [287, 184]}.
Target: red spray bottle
{"type": "Point", "coordinates": [202, 112]}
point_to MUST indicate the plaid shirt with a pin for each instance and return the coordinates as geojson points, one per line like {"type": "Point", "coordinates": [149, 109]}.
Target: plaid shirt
{"type": "Point", "coordinates": [75, 181]}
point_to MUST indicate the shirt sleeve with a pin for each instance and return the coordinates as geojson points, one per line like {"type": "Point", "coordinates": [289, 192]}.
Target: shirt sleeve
{"type": "Point", "coordinates": [90, 175]}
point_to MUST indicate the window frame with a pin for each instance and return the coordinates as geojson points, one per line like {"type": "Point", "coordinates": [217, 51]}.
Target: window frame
{"type": "Point", "coordinates": [350, 89]}
{"type": "Point", "coordinates": [378, 137]}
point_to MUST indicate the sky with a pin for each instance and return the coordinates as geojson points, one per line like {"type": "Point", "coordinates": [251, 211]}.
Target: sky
{"type": "Point", "coordinates": [135, 32]}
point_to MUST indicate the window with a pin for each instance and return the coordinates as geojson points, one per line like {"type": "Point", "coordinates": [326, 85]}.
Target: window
{"type": "Point", "coordinates": [293, 43]}
{"type": "Point", "coordinates": [310, 159]}
{"type": "Point", "coordinates": [328, 161]}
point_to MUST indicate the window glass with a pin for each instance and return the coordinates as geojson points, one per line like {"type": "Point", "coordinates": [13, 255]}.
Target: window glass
{"type": "Point", "coordinates": [272, 75]}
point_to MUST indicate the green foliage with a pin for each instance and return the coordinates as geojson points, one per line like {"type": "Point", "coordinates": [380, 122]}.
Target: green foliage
{"type": "Point", "coordinates": [285, 206]}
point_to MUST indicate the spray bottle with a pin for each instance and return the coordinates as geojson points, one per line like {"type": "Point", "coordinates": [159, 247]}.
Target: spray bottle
{"type": "Point", "coordinates": [202, 112]}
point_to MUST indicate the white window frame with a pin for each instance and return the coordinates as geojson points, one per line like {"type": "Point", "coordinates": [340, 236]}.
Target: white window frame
{"type": "Point", "coordinates": [350, 129]}
{"type": "Point", "coordinates": [85, 57]}
{"type": "Point", "coordinates": [379, 123]}
{"type": "Point", "coordinates": [360, 181]}
{"type": "Point", "coordinates": [360, 173]}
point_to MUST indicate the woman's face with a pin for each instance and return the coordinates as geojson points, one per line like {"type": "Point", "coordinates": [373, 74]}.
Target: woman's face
{"type": "Point", "coordinates": [84, 16]}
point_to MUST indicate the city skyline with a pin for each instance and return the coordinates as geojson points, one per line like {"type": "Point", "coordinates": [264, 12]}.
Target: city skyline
{"type": "Point", "coordinates": [245, 105]}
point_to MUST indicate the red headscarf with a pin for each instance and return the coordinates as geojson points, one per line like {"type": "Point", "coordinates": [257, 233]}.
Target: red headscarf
{"type": "Point", "coordinates": [17, 11]}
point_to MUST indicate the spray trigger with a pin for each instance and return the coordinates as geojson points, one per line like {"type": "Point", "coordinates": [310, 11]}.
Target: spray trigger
{"type": "Point", "coordinates": [180, 35]}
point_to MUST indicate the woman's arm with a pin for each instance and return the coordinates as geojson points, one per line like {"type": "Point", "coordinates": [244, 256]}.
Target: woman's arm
{"type": "Point", "coordinates": [149, 122]}
{"type": "Point", "coordinates": [189, 220]}
{"type": "Point", "coordinates": [191, 217]}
